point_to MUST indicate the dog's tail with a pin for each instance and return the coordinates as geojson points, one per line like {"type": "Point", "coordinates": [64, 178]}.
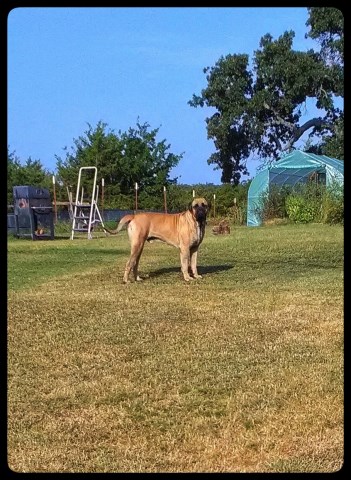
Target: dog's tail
{"type": "Point", "coordinates": [122, 223]}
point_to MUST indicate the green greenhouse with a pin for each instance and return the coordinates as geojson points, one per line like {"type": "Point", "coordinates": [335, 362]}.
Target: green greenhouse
{"type": "Point", "coordinates": [295, 167]}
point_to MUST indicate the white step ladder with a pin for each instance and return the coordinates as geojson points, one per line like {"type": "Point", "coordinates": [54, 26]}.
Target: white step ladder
{"type": "Point", "coordinates": [86, 214]}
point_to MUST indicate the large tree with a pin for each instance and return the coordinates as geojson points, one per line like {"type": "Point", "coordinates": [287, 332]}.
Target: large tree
{"type": "Point", "coordinates": [122, 159]}
{"type": "Point", "coordinates": [261, 109]}
{"type": "Point", "coordinates": [327, 28]}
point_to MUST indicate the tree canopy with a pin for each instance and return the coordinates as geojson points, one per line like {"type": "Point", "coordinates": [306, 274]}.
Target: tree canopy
{"type": "Point", "coordinates": [31, 172]}
{"type": "Point", "coordinates": [261, 109]}
{"type": "Point", "coordinates": [327, 28]}
{"type": "Point", "coordinates": [123, 160]}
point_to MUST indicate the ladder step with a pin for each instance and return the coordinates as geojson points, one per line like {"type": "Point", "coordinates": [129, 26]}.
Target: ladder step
{"type": "Point", "coordinates": [86, 205]}
{"type": "Point", "coordinates": [81, 220]}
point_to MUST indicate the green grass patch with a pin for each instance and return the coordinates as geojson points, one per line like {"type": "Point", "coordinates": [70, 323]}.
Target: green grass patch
{"type": "Point", "coordinates": [241, 371]}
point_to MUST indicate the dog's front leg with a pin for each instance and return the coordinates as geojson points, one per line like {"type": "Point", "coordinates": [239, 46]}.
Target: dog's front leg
{"type": "Point", "coordinates": [185, 262]}
{"type": "Point", "coordinates": [193, 263]}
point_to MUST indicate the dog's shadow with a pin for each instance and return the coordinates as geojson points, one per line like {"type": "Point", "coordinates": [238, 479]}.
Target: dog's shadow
{"type": "Point", "coordinates": [203, 270]}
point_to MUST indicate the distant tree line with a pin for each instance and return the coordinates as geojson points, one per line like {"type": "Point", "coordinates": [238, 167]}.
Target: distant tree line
{"type": "Point", "coordinates": [122, 160]}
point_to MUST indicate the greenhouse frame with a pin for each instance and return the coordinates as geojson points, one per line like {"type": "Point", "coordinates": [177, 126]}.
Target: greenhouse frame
{"type": "Point", "coordinates": [295, 167]}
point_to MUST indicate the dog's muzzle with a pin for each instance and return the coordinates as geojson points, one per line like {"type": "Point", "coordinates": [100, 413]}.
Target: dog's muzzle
{"type": "Point", "coordinates": [200, 213]}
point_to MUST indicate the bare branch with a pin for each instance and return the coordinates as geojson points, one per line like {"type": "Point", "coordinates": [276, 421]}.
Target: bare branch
{"type": "Point", "coordinates": [277, 142]}
{"type": "Point", "coordinates": [296, 132]}
{"type": "Point", "coordinates": [288, 145]}
{"type": "Point", "coordinates": [314, 122]}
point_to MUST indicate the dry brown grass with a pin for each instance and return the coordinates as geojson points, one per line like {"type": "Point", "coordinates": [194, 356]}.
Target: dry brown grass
{"type": "Point", "coordinates": [241, 371]}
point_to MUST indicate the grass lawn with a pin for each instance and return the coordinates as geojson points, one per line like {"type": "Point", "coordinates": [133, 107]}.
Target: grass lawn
{"type": "Point", "coordinates": [242, 371]}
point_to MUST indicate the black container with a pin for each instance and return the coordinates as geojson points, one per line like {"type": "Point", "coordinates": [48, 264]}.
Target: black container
{"type": "Point", "coordinates": [33, 212]}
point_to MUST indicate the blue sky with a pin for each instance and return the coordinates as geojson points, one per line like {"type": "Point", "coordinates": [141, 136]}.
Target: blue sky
{"type": "Point", "coordinates": [70, 67]}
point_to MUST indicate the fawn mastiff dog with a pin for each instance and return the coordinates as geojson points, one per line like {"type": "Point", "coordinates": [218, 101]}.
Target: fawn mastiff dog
{"type": "Point", "coordinates": [183, 230]}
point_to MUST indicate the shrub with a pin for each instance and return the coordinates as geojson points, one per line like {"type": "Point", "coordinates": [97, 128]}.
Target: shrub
{"type": "Point", "coordinates": [272, 203]}
{"type": "Point", "coordinates": [237, 215]}
{"type": "Point", "coordinates": [300, 209]}
{"type": "Point", "coordinates": [303, 203]}
{"type": "Point", "coordinates": [333, 205]}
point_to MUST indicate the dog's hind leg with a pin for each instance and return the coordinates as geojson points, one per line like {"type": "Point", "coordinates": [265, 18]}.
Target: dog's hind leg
{"type": "Point", "coordinates": [133, 261]}
{"type": "Point", "coordinates": [136, 264]}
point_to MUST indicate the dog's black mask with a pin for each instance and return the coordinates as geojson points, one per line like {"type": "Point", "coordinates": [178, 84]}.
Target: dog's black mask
{"type": "Point", "coordinates": [200, 211]}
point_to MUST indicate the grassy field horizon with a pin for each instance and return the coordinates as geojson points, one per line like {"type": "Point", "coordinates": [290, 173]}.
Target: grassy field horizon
{"type": "Point", "coordinates": [241, 371]}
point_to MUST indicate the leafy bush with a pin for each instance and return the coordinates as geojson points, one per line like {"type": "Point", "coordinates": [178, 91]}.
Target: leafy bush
{"type": "Point", "coordinates": [316, 203]}
{"type": "Point", "coordinates": [333, 205]}
{"type": "Point", "coordinates": [300, 209]}
{"type": "Point", "coordinates": [272, 203]}
{"type": "Point", "coordinates": [303, 203]}
{"type": "Point", "coordinates": [237, 215]}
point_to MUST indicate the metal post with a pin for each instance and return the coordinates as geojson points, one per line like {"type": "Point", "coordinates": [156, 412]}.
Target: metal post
{"type": "Point", "coordinates": [165, 198]}
{"type": "Point", "coordinates": [136, 196]}
{"type": "Point", "coordinates": [55, 207]}
{"type": "Point", "coordinates": [102, 195]}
